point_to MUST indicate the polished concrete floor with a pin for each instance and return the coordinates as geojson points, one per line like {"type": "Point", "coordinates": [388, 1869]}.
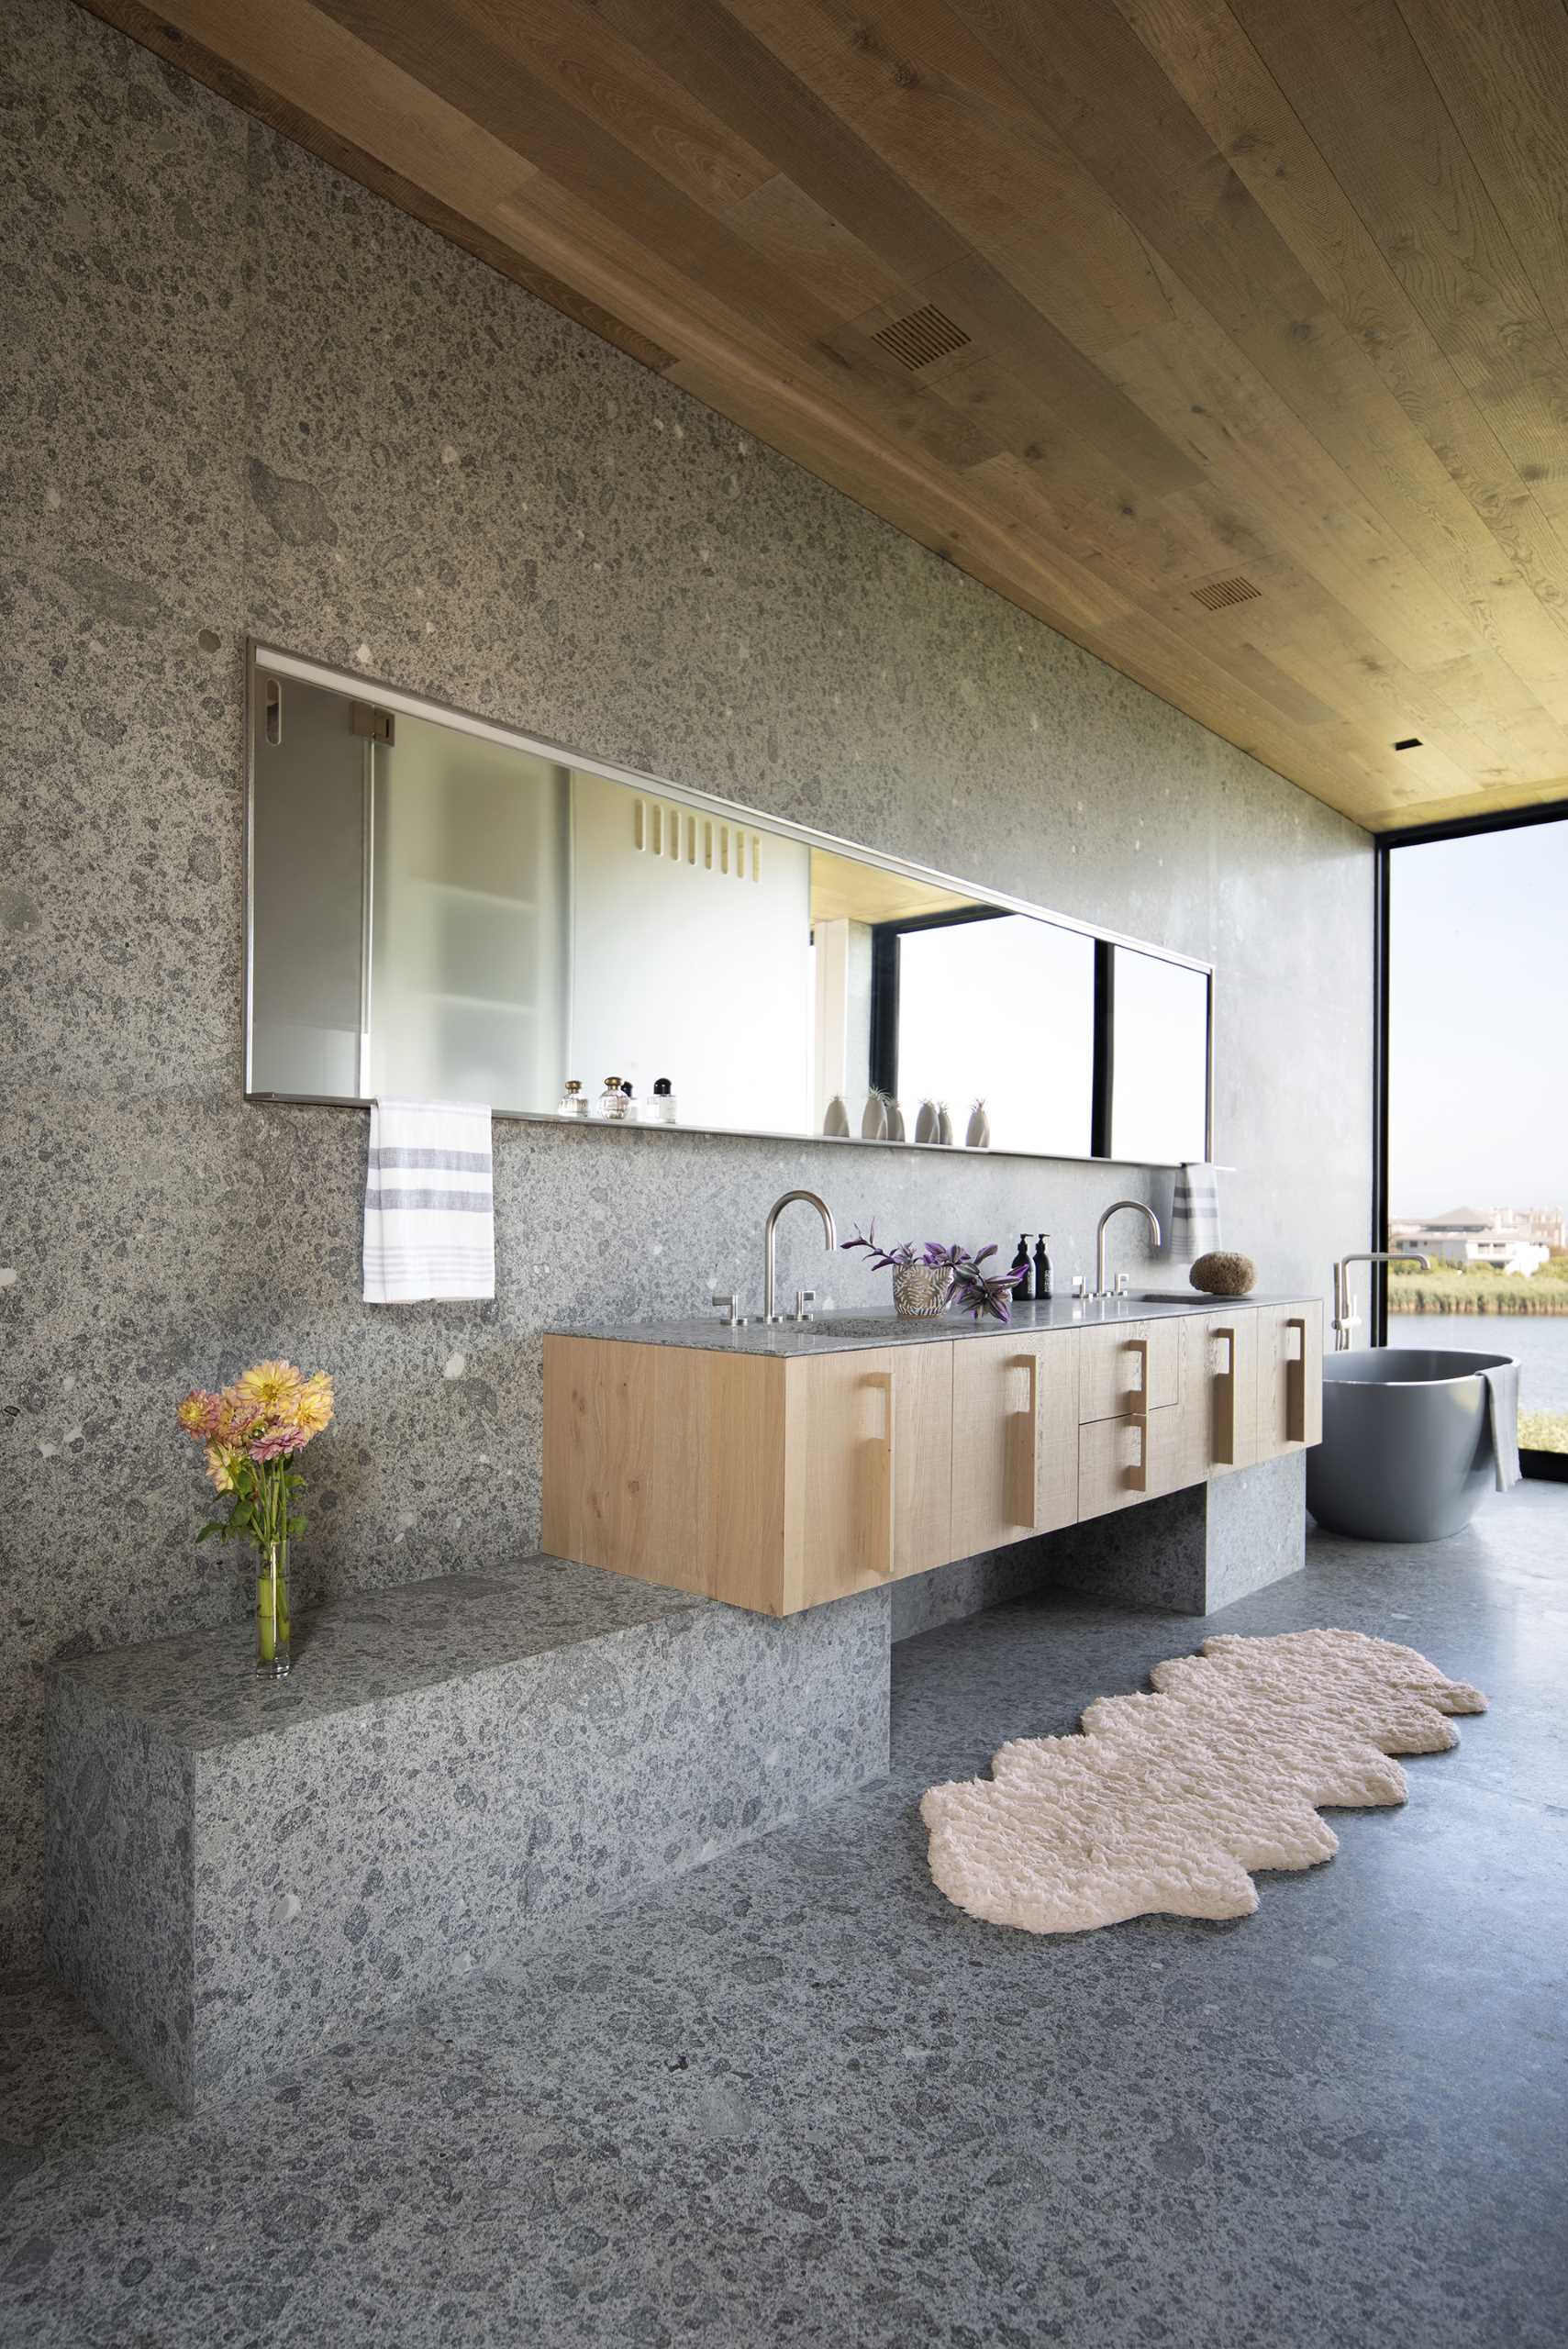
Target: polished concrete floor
{"type": "Point", "coordinates": [797, 2098]}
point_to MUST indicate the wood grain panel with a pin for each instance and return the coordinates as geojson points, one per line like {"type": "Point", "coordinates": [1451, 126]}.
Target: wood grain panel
{"type": "Point", "coordinates": [667, 1463]}
{"type": "Point", "coordinates": [1015, 1472]}
{"type": "Point", "coordinates": [1290, 1378]}
{"type": "Point", "coordinates": [869, 1467]}
{"type": "Point", "coordinates": [1111, 1373]}
{"type": "Point", "coordinates": [1219, 1393]}
{"type": "Point", "coordinates": [1122, 1462]}
{"type": "Point", "coordinates": [1247, 289]}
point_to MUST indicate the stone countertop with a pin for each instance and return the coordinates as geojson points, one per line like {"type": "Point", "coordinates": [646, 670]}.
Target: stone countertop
{"type": "Point", "coordinates": [849, 1333]}
{"type": "Point", "coordinates": [200, 1691]}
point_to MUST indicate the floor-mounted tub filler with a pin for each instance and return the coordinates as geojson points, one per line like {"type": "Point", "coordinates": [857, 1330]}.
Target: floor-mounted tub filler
{"type": "Point", "coordinates": [1413, 1439]}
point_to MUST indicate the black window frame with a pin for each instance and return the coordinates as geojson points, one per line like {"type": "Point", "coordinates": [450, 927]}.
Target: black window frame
{"type": "Point", "coordinates": [1551, 1467]}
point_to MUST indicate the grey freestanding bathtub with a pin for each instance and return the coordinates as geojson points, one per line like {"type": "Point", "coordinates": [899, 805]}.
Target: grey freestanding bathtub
{"type": "Point", "coordinates": [1407, 1452]}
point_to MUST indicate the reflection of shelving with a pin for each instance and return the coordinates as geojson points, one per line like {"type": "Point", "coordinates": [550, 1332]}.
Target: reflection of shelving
{"type": "Point", "coordinates": [507, 903]}
{"type": "Point", "coordinates": [471, 858]}
{"type": "Point", "coordinates": [480, 1002]}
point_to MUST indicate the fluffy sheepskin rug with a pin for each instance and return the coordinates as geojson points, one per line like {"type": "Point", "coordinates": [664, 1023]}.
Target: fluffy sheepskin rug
{"type": "Point", "coordinates": [1164, 1802]}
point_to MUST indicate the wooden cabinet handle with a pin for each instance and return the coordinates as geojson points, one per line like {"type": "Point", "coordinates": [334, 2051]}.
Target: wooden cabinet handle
{"type": "Point", "coordinates": [1024, 1510]}
{"type": "Point", "coordinates": [1295, 1386]}
{"type": "Point", "coordinates": [1138, 1475]}
{"type": "Point", "coordinates": [1225, 1405]}
{"type": "Point", "coordinates": [883, 1378]}
{"type": "Point", "coordinates": [1139, 1409]}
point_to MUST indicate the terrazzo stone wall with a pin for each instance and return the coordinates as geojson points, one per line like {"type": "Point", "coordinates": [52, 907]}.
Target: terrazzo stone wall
{"type": "Point", "coordinates": [245, 396]}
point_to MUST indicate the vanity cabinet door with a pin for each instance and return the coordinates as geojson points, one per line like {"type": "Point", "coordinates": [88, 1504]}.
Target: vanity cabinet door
{"type": "Point", "coordinates": [1219, 1392]}
{"type": "Point", "coordinates": [1114, 1357]}
{"type": "Point", "coordinates": [868, 1446]}
{"type": "Point", "coordinates": [1290, 1383]}
{"type": "Point", "coordinates": [1015, 1439]}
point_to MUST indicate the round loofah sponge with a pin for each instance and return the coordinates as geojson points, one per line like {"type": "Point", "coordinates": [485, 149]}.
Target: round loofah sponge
{"type": "Point", "coordinates": [1223, 1274]}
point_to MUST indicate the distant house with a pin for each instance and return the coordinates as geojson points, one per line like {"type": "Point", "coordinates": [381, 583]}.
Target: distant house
{"type": "Point", "coordinates": [1473, 1236]}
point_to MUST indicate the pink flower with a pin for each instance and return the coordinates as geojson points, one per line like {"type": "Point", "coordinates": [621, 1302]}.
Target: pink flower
{"type": "Point", "coordinates": [201, 1414]}
{"type": "Point", "coordinates": [275, 1444]}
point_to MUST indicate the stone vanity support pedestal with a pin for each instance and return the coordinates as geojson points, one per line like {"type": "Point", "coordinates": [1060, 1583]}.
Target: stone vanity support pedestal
{"type": "Point", "coordinates": [241, 1871]}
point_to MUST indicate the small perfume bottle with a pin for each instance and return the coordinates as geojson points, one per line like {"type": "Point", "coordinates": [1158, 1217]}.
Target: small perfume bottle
{"type": "Point", "coordinates": [661, 1109]}
{"type": "Point", "coordinates": [574, 1100]}
{"type": "Point", "coordinates": [613, 1102]}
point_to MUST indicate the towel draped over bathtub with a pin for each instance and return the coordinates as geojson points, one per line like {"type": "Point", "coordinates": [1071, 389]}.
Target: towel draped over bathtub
{"type": "Point", "coordinates": [1503, 1416]}
{"type": "Point", "coordinates": [429, 1223]}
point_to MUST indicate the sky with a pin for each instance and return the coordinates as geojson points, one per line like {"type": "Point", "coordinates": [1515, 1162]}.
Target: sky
{"type": "Point", "coordinates": [1478, 1023]}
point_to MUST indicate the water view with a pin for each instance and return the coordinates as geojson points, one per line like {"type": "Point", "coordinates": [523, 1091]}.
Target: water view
{"type": "Point", "coordinates": [1538, 1342]}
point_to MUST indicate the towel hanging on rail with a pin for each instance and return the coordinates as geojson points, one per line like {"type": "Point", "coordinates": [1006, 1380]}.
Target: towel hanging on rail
{"type": "Point", "coordinates": [429, 1222]}
{"type": "Point", "coordinates": [1195, 1212]}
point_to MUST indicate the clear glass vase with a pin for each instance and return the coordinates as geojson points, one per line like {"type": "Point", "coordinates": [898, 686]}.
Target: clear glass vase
{"type": "Point", "coordinates": [273, 1611]}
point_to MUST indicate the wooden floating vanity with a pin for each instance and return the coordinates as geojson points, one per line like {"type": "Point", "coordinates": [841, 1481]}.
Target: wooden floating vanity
{"type": "Point", "coordinates": [779, 1466]}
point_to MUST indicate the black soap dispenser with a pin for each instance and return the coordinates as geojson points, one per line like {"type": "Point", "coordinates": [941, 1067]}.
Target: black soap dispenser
{"type": "Point", "coordinates": [1042, 1273]}
{"type": "Point", "coordinates": [1021, 1291]}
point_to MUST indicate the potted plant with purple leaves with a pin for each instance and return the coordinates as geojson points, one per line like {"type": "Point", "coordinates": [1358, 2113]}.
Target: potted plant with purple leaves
{"type": "Point", "coordinates": [925, 1280]}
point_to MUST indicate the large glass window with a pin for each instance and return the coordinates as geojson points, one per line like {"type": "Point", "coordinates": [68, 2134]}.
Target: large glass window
{"type": "Point", "coordinates": [1478, 1105]}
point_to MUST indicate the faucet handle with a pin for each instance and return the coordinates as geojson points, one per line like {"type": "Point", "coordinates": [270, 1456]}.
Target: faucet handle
{"type": "Point", "coordinates": [804, 1299]}
{"type": "Point", "coordinates": [731, 1304]}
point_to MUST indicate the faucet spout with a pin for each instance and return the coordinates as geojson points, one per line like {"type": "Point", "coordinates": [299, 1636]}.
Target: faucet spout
{"type": "Point", "coordinates": [1117, 1207]}
{"type": "Point", "coordinates": [770, 1283]}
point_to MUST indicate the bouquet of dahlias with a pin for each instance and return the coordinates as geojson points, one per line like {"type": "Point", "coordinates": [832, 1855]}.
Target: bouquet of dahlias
{"type": "Point", "coordinates": [252, 1432]}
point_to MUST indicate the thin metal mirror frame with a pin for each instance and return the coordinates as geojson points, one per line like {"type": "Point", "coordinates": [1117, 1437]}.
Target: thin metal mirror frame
{"type": "Point", "coordinates": [272, 659]}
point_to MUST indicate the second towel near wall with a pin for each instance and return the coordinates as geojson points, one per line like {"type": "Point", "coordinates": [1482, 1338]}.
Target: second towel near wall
{"type": "Point", "coordinates": [429, 1215]}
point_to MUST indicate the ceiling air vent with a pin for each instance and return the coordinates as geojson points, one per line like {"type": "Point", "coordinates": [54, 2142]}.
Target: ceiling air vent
{"type": "Point", "coordinates": [1221, 593]}
{"type": "Point", "coordinates": [920, 337]}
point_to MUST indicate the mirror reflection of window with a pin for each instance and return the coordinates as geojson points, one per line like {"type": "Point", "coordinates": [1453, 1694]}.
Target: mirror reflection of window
{"type": "Point", "coordinates": [999, 1008]}
{"type": "Point", "coordinates": [1160, 1065]}
{"type": "Point", "coordinates": [690, 957]}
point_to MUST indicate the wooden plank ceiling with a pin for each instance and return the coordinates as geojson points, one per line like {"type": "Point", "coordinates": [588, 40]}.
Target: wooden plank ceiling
{"type": "Point", "coordinates": [1230, 337]}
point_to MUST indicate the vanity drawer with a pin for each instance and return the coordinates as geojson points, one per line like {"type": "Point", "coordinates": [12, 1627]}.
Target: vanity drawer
{"type": "Point", "coordinates": [1112, 1359]}
{"type": "Point", "coordinates": [1125, 1460]}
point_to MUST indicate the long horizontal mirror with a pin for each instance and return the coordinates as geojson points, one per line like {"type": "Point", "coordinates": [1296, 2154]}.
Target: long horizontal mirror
{"type": "Point", "coordinates": [442, 910]}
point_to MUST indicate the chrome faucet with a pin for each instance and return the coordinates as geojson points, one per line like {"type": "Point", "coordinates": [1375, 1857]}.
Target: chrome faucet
{"type": "Point", "coordinates": [1137, 1207]}
{"type": "Point", "coordinates": [769, 1282]}
{"type": "Point", "coordinates": [1344, 1319]}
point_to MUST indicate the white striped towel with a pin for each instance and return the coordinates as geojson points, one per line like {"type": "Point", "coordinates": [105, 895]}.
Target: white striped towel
{"type": "Point", "coordinates": [429, 1224]}
{"type": "Point", "coordinates": [1195, 1212]}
